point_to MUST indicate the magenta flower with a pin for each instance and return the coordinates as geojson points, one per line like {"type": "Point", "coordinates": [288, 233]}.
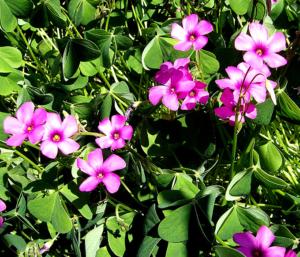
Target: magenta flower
{"type": "Point", "coordinates": [27, 124]}
{"type": "Point", "coordinates": [245, 82]}
{"type": "Point", "coordinates": [101, 172]}
{"type": "Point", "coordinates": [165, 70]}
{"type": "Point", "coordinates": [260, 48]}
{"type": "Point", "coordinates": [196, 95]}
{"type": "Point", "coordinates": [2, 208]}
{"type": "Point", "coordinates": [57, 136]}
{"type": "Point", "coordinates": [173, 90]}
{"type": "Point", "coordinates": [227, 111]}
{"type": "Point", "coordinates": [290, 253]}
{"type": "Point", "coordinates": [116, 132]}
{"type": "Point", "coordinates": [259, 246]}
{"type": "Point", "coordinates": [192, 33]}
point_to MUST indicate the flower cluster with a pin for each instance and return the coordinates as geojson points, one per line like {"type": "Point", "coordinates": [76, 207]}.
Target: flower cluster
{"type": "Point", "coordinates": [248, 83]}
{"type": "Point", "coordinates": [53, 134]}
{"type": "Point", "coordinates": [2, 208]}
{"type": "Point", "coordinates": [260, 245]}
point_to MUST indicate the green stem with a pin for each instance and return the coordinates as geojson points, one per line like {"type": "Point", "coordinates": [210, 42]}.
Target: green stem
{"type": "Point", "coordinates": [234, 146]}
{"type": "Point", "coordinates": [86, 133]}
{"type": "Point", "coordinates": [104, 78]}
{"type": "Point", "coordinates": [29, 161]}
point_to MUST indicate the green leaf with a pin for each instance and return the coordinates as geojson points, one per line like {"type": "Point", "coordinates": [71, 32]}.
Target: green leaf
{"type": "Point", "coordinates": [270, 158]}
{"type": "Point", "coordinates": [259, 10]}
{"type": "Point", "coordinates": [74, 84]}
{"type": "Point", "coordinates": [20, 8]}
{"type": "Point", "coordinates": [9, 82]}
{"type": "Point", "coordinates": [81, 12]}
{"type": "Point", "coordinates": [103, 252]}
{"type": "Point", "coordinates": [14, 240]}
{"type": "Point", "coordinates": [228, 224]}
{"type": "Point", "coordinates": [123, 42]}
{"type": "Point", "coordinates": [147, 246]}
{"type": "Point", "coordinates": [10, 58]}
{"type": "Point", "coordinates": [175, 227]}
{"type": "Point", "coordinates": [208, 62]}
{"type": "Point", "coordinates": [239, 186]}
{"type": "Point", "coordinates": [121, 90]}
{"type": "Point", "coordinates": [240, 7]}
{"type": "Point", "coordinates": [177, 249]}
{"type": "Point", "coordinates": [92, 241]}
{"type": "Point", "coordinates": [77, 198]}
{"type": "Point", "coordinates": [277, 9]}
{"type": "Point", "coordinates": [151, 219]}
{"type": "Point", "coordinates": [288, 108]}
{"type": "Point", "coordinates": [264, 112]}
{"type": "Point", "coordinates": [185, 184]}
{"type": "Point", "coordinates": [222, 251]}
{"type": "Point", "coordinates": [8, 21]}
{"type": "Point", "coordinates": [269, 181]}
{"type": "Point", "coordinates": [50, 209]}
{"type": "Point", "coordinates": [169, 198]}
{"type": "Point", "coordinates": [105, 108]}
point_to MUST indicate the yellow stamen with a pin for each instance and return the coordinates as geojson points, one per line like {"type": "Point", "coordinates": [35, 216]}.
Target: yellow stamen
{"type": "Point", "coordinates": [100, 175]}
{"type": "Point", "coordinates": [29, 128]}
{"type": "Point", "coordinates": [56, 138]}
{"type": "Point", "coordinates": [259, 52]}
{"type": "Point", "coordinates": [116, 135]}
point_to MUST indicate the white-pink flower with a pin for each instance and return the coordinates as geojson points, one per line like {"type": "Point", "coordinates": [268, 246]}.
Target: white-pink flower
{"type": "Point", "coordinates": [100, 171]}
{"type": "Point", "coordinates": [2, 208]}
{"type": "Point", "coordinates": [57, 135]}
{"type": "Point", "coordinates": [116, 132]}
{"type": "Point", "coordinates": [191, 34]}
{"type": "Point", "coordinates": [29, 123]}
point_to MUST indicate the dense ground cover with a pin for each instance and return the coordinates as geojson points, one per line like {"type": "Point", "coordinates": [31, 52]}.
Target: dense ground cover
{"type": "Point", "coordinates": [149, 128]}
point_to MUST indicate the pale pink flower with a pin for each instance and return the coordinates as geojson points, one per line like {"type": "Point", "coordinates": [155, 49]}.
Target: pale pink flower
{"type": "Point", "coordinates": [101, 172]}
{"type": "Point", "coordinates": [260, 245]}
{"type": "Point", "coordinates": [228, 110]}
{"type": "Point", "coordinates": [57, 135]}
{"type": "Point", "coordinates": [197, 95]}
{"type": "Point", "coordinates": [290, 253]}
{"type": "Point", "coordinates": [116, 132]}
{"type": "Point", "coordinates": [173, 90]}
{"type": "Point", "coordinates": [2, 208]}
{"type": "Point", "coordinates": [29, 123]}
{"type": "Point", "coordinates": [191, 33]}
{"type": "Point", "coordinates": [260, 48]}
{"type": "Point", "coordinates": [165, 70]}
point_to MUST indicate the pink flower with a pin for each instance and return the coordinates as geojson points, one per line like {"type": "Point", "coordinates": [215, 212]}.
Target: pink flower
{"type": "Point", "coordinates": [196, 95]}
{"type": "Point", "coordinates": [165, 70]}
{"type": "Point", "coordinates": [116, 132]}
{"type": "Point", "coordinates": [57, 136]}
{"type": "Point", "coordinates": [101, 172]}
{"type": "Point", "coordinates": [172, 90]}
{"type": "Point", "coordinates": [260, 48]}
{"type": "Point", "coordinates": [260, 245]}
{"type": "Point", "coordinates": [192, 33]}
{"type": "Point", "coordinates": [245, 82]}
{"type": "Point", "coordinates": [227, 111]}
{"type": "Point", "coordinates": [2, 208]}
{"type": "Point", "coordinates": [290, 253]}
{"type": "Point", "coordinates": [27, 124]}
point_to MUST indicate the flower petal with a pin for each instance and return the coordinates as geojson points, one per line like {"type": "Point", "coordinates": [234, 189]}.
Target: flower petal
{"type": "Point", "coordinates": [178, 32]}
{"type": "Point", "coordinates": [89, 184]}
{"type": "Point", "coordinates": [112, 163]}
{"type": "Point", "coordinates": [253, 59]}
{"type": "Point", "coordinates": [126, 132]}
{"type": "Point", "coordinates": [39, 117]}
{"type": "Point", "coordinates": [275, 60]}
{"type": "Point", "coordinates": [2, 206]}
{"type": "Point", "coordinates": [181, 62]}
{"type": "Point", "coordinates": [25, 112]}
{"type": "Point", "coordinates": [36, 134]}
{"type": "Point", "coordinates": [171, 101]}
{"type": "Point", "coordinates": [104, 142]}
{"type": "Point", "coordinates": [243, 42]}
{"type": "Point", "coordinates": [274, 251]}
{"type": "Point", "coordinates": [258, 32]}
{"type": "Point", "coordinates": [118, 121]}
{"type": "Point", "coordinates": [53, 121]}
{"type": "Point", "coordinates": [85, 167]}
{"type": "Point", "coordinates": [105, 126]}
{"type": "Point", "coordinates": [258, 91]}
{"type": "Point", "coordinates": [246, 251]}
{"type": "Point", "coordinates": [68, 146]}
{"type": "Point", "coordinates": [183, 46]}
{"type": "Point", "coordinates": [251, 111]}
{"type": "Point", "coordinates": [12, 126]}
{"type": "Point", "coordinates": [204, 27]}
{"type": "Point", "coordinates": [1, 222]}
{"type": "Point", "coordinates": [226, 83]}
{"type": "Point", "coordinates": [235, 74]}
{"type": "Point", "coordinates": [49, 149]}
{"type": "Point", "coordinates": [16, 140]}
{"type": "Point", "coordinates": [188, 103]}
{"type": "Point", "coordinates": [95, 159]}
{"type": "Point", "coordinates": [277, 42]}
{"type": "Point", "coordinates": [223, 112]}
{"type": "Point", "coordinates": [112, 182]}
{"type": "Point", "coordinates": [118, 144]}
{"type": "Point", "coordinates": [156, 93]}
{"type": "Point", "coordinates": [190, 22]}
{"type": "Point", "coordinates": [265, 236]}
{"type": "Point", "coordinates": [69, 126]}
{"type": "Point", "coordinates": [200, 42]}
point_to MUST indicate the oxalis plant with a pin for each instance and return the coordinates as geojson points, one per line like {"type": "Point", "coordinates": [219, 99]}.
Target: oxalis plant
{"type": "Point", "coordinates": [149, 128]}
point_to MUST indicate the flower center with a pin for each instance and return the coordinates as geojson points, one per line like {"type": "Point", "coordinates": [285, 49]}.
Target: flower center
{"type": "Point", "coordinates": [29, 128]}
{"type": "Point", "coordinates": [259, 52]}
{"type": "Point", "coordinates": [192, 37]}
{"type": "Point", "coordinates": [100, 175]}
{"type": "Point", "coordinates": [172, 90]}
{"type": "Point", "coordinates": [56, 138]}
{"type": "Point", "coordinates": [257, 253]}
{"type": "Point", "coordinates": [116, 135]}
{"type": "Point", "coordinates": [192, 94]}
